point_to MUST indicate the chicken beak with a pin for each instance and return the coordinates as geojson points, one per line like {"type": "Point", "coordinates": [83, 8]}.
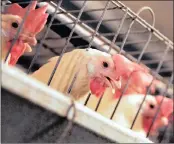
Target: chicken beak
{"type": "Point", "coordinates": [164, 121]}
{"type": "Point", "coordinates": [113, 84]}
{"type": "Point", "coordinates": [118, 83]}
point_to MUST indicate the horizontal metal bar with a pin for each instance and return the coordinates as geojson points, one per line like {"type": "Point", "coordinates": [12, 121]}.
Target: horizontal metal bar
{"type": "Point", "coordinates": [89, 21]}
{"type": "Point", "coordinates": [154, 61]}
{"type": "Point", "coordinates": [98, 34]}
{"type": "Point", "coordinates": [166, 70]}
{"type": "Point", "coordinates": [146, 52]}
{"type": "Point", "coordinates": [89, 10]}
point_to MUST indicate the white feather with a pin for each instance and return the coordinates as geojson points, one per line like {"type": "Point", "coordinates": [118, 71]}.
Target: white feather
{"type": "Point", "coordinates": [94, 52]}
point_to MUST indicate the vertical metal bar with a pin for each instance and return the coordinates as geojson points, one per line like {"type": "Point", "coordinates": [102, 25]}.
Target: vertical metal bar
{"type": "Point", "coordinates": [164, 132]}
{"type": "Point", "coordinates": [18, 31]}
{"type": "Point", "coordinates": [158, 110]}
{"type": "Point", "coordinates": [43, 38]}
{"type": "Point", "coordinates": [87, 99]}
{"type": "Point", "coordinates": [99, 102]}
{"type": "Point", "coordinates": [144, 48]}
{"type": "Point", "coordinates": [67, 42]}
{"type": "Point", "coordinates": [94, 34]}
{"type": "Point", "coordinates": [148, 89]}
{"type": "Point", "coordinates": [99, 23]}
{"type": "Point", "coordinates": [70, 123]}
{"type": "Point", "coordinates": [72, 83]}
{"type": "Point", "coordinates": [118, 31]}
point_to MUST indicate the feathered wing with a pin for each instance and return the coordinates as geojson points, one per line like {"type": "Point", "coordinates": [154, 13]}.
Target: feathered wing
{"type": "Point", "coordinates": [68, 67]}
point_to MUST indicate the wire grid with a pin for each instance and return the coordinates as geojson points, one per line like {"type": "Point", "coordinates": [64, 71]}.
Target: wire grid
{"type": "Point", "coordinates": [118, 40]}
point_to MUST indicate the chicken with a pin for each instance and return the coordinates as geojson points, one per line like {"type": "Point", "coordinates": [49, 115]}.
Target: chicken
{"type": "Point", "coordinates": [33, 24]}
{"type": "Point", "coordinates": [96, 71]}
{"type": "Point", "coordinates": [140, 77]}
{"type": "Point", "coordinates": [128, 107]}
{"type": "Point", "coordinates": [131, 100]}
{"type": "Point", "coordinates": [6, 26]}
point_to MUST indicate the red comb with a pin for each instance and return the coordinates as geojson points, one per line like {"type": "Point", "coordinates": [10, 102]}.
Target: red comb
{"type": "Point", "coordinates": [36, 18]}
{"type": "Point", "coordinates": [33, 24]}
{"type": "Point", "coordinates": [167, 105]}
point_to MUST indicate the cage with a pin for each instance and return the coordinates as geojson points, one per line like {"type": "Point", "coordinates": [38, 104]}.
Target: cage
{"type": "Point", "coordinates": [110, 27]}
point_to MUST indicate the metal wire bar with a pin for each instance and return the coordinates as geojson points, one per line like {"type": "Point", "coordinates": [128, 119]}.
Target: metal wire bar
{"type": "Point", "coordinates": [96, 108]}
{"type": "Point", "coordinates": [118, 31]}
{"type": "Point", "coordinates": [165, 70]}
{"type": "Point", "coordinates": [99, 35]}
{"type": "Point", "coordinates": [88, 97]}
{"type": "Point", "coordinates": [138, 52]}
{"type": "Point", "coordinates": [158, 110]}
{"type": "Point", "coordinates": [121, 49]}
{"type": "Point", "coordinates": [70, 123]}
{"type": "Point", "coordinates": [66, 45]}
{"type": "Point", "coordinates": [94, 34]}
{"type": "Point", "coordinates": [148, 89]}
{"type": "Point", "coordinates": [90, 21]}
{"type": "Point", "coordinates": [89, 10]}
{"type": "Point", "coordinates": [164, 132]}
{"type": "Point", "coordinates": [43, 38]}
{"type": "Point", "coordinates": [117, 43]}
{"type": "Point", "coordinates": [137, 42]}
{"type": "Point", "coordinates": [76, 11]}
{"type": "Point", "coordinates": [99, 23]}
{"type": "Point", "coordinates": [70, 47]}
{"type": "Point", "coordinates": [154, 61]}
{"type": "Point", "coordinates": [18, 32]}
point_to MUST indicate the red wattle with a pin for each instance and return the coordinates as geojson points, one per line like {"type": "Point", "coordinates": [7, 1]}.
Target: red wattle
{"type": "Point", "coordinates": [96, 87]}
{"type": "Point", "coordinates": [17, 51]}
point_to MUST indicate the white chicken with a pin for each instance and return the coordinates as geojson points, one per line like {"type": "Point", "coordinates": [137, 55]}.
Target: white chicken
{"type": "Point", "coordinates": [128, 107]}
{"type": "Point", "coordinates": [95, 71]}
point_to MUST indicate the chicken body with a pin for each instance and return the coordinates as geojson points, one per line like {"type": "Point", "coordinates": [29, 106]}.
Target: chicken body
{"type": "Point", "coordinates": [90, 65]}
{"type": "Point", "coordinates": [128, 107]}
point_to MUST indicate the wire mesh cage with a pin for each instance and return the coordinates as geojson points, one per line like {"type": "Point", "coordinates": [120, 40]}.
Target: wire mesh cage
{"type": "Point", "coordinates": [110, 27]}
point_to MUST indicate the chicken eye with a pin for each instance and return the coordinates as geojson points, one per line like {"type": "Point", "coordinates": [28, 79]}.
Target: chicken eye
{"type": "Point", "coordinates": [14, 25]}
{"type": "Point", "coordinates": [152, 106]}
{"type": "Point", "coordinates": [105, 64]}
